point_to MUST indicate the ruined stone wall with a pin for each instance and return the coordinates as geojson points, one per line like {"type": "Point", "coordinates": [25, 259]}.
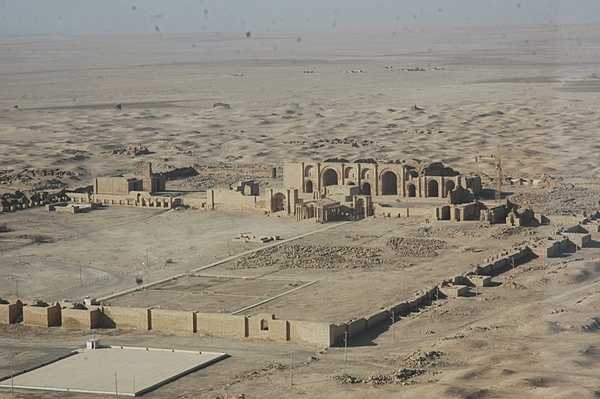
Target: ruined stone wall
{"type": "Point", "coordinates": [222, 325]}
{"type": "Point", "coordinates": [500, 263]}
{"type": "Point", "coordinates": [394, 212]}
{"type": "Point", "coordinates": [232, 200]}
{"type": "Point", "coordinates": [356, 327]}
{"type": "Point", "coordinates": [111, 185]}
{"type": "Point", "coordinates": [42, 316]}
{"type": "Point", "coordinates": [127, 318]}
{"type": "Point", "coordinates": [266, 326]}
{"type": "Point", "coordinates": [292, 175]}
{"type": "Point", "coordinates": [581, 240]}
{"type": "Point", "coordinates": [173, 321]}
{"type": "Point", "coordinates": [81, 319]}
{"type": "Point", "coordinates": [314, 333]}
{"type": "Point", "coordinates": [11, 313]}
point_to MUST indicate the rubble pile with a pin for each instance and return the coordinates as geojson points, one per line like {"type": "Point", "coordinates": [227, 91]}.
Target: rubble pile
{"type": "Point", "coordinates": [132, 150]}
{"type": "Point", "coordinates": [334, 141]}
{"type": "Point", "coordinates": [10, 202]}
{"type": "Point", "coordinates": [510, 231]}
{"type": "Point", "coordinates": [415, 247]}
{"type": "Point", "coordinates": [222, 174]}
{"type": "Point", "coordinates": [51, 178]}
{"type": "Point", "coordinates": [450, 230]}
{"type": "Point", "coordinates": [560, 199]}
{"type": "Point", "coordinates": [400, 376]}
{"type": "Point", "coordinates": [413, 366]}
{"type": "Point", "coordinates": [313, 257]}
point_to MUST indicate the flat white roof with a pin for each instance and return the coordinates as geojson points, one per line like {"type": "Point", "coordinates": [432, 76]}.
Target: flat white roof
{"type": "Point", "coordinates": [136, 371]}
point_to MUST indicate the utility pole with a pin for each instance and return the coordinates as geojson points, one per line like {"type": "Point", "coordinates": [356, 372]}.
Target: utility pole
{"type": "Point", "coordinates": [12, 375]}
{"type": "Point", "coordinates": [393, 330]}
{"type": "Point", "coordinates": [291, 369]}
{"type": "Point", "coordinates": [499, 175]}
{"type": "Point", "coordinates": [345, 346]}
{"type": "Point", "coordinates": [116, 388]}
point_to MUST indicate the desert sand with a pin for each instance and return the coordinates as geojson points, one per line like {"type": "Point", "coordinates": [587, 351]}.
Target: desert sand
{"type": "Point", "coordinates": [530, 92]}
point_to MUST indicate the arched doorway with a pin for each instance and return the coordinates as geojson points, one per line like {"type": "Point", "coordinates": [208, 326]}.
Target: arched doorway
{"type": "Point", "coordinates": [308, 186]}
{"type": "Point", "coordinates": [330, 178]}
{"type": "Point", "coordinates": [433, 189]}
{"type": "Point", "coordinates": [366, 189]}
{"type": "Point", "coordinates": [278, 202]}
{"type": "Point", "coordinates": [389, 183]}
{"type": "Point", "coordinates": [449, 187]}
{"type": "Point", "coordinates": [412, 190]}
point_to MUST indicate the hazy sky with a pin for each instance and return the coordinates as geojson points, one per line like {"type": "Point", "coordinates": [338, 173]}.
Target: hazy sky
{"type": "Point", "coordinates": [130, 16]}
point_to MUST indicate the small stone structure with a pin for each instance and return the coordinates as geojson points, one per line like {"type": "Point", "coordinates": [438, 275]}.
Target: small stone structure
{"type": "Point", "coordinates": [42, 315]}
{"type": "Point", "coordinates": [578, 235]}
{"type": "Point", "coordinates": [11, 313]}
{"type": "Point", "coordinates": [81, 318]}
{"type": "Point", "coordinates": [145, 190]}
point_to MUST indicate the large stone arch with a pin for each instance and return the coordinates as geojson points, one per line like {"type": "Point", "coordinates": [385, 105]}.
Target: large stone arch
{"type": "Point", "coordinates": [389, 183]}
{"type": "Point", "coordinates": [433, 188]}
{"type": "Point", "coordinates": [330, 177]}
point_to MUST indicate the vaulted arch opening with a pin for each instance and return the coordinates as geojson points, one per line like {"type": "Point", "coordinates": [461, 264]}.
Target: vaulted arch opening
{"type": "Point", "coordinates": [330, 178]}
{"type": "Point", "coordinates": [433, 189]}
{"type": "Point", "coordinates": [389, 183]}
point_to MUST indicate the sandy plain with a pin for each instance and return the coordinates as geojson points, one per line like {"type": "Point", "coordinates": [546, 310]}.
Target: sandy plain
{"type": "Point", "coordinates": [530, 90]}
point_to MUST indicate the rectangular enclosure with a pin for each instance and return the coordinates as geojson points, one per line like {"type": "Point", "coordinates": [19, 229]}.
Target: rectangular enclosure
{"type": "Point", "coordinates": [123, 371]}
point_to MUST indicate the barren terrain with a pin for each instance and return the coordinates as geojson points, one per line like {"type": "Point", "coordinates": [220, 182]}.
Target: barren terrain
{"type": "Point", "coordinates": [530, 92]}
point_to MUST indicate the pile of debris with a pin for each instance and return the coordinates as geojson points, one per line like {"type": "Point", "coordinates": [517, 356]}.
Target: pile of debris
{"type": "Point", "coordinates": [415, 247]}
{"type": "Point", "coordinates": [470, 230]}
{"type": "Point", "coordinates": [320, 143]}
{"type": "Point", "coordinates": [424, 360]}
{"type": "Point", "coordinates": [560, 199]}
{"type": "Point", "coordinates": [10, 202]}
{"type": "Point", "coordinates": [312, 257]}
{"type": "Point", "coordinates": [133, 150]}
{"type": "Point", "coordinates": [35, 176]}
{"type": "Point", "coordinates": [222, 174]}
{"type": "Point", "coordinates": [414, 365]}
{"type": "Point", "coordinates": [401, 376]}
{"type": "Point", "coordinates": [175, 173]}
{"type": "Point", "coordinates": [268, 369]}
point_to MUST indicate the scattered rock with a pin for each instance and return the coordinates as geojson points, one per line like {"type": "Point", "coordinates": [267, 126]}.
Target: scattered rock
{"type": "Point", "coordinates": [415, 247]}
{"type": "Point", "coordinates": [312, 257]}
{"type": "Point", "coordinates": [133, 150]}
